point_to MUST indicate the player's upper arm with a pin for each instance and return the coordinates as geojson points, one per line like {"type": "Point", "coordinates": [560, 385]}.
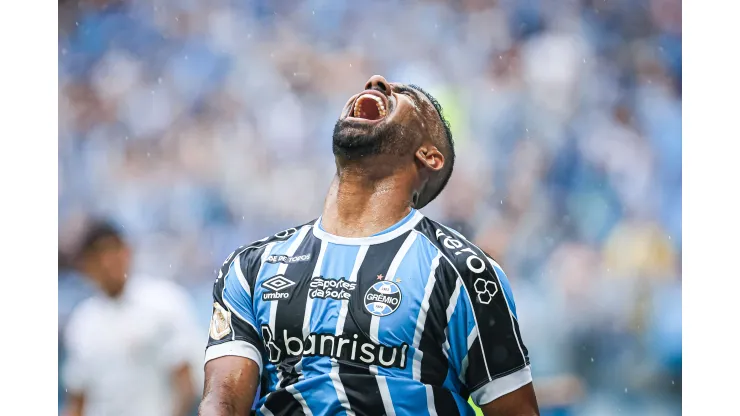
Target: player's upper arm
{"type": "Point", "coordinates": [230, 386]}
{"type": "Point", "coordinates": [483, 340]}
{"type": "Point", "coordinates": [233, 327]}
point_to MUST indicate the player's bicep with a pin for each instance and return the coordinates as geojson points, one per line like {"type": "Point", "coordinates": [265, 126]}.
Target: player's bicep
{"type": "Point", "coordinates": [484, 332]}
{"type": "Point", "coordinates": [233, 327]}
{"type": "Point", "coordinates": [230, 386]}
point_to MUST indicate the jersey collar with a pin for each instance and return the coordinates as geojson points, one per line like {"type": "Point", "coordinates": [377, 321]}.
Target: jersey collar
{"type": "Point", "coordinates": [406, 224]}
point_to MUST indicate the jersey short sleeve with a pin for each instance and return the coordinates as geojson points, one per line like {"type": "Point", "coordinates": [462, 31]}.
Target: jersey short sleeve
{"type": "Point", "coordinates": [233, 327]}
{"type": "Point", "coordinates": [484, 344]}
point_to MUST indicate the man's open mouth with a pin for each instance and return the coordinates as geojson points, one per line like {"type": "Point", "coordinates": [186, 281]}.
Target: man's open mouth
{"type": "Point", "coordinates": [370, 105]}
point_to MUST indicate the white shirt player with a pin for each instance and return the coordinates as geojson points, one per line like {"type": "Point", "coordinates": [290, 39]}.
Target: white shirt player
{"type": "Point", "coordinates": [122, 351]}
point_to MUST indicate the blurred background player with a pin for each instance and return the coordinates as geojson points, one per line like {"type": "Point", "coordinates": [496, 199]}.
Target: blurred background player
{"type": "Point", "coordinates": [129, 346]}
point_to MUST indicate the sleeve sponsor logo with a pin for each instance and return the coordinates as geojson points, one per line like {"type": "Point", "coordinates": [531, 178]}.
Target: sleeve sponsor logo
{"type": "Point", "coordinates": [275, 288]}
{"type": "Point", "coordinates": [341, 347]}
{"type": "Point", "coordinates": [485, 289]}
{"type": "Point", "coordinates": [279, 258]}
{"type": "Point", "coordinates": [475, 264]}
{"type": "Point", "coordinates": [382, 298]}
{"type": "Point", "coordinates": [220, 322]}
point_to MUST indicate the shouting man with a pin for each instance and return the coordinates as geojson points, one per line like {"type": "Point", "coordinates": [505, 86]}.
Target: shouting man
{"type": "Point", "coordinates": [371, 309]}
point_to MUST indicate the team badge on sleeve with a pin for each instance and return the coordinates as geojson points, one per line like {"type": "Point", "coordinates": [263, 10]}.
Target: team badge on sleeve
{"type": "Point", "coordinates": [220, 322]}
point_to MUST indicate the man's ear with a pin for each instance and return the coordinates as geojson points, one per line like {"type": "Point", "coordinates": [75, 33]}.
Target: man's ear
{"type": "Point", "coordinates": [430, 157]}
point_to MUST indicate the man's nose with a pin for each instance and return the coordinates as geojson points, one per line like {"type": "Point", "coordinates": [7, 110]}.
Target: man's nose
{"type": "Point", "coordinates": [377, 82]}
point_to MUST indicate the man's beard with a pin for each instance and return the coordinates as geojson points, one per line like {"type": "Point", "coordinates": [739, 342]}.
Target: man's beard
{"type": "Point", "coordinates": [352, 140]}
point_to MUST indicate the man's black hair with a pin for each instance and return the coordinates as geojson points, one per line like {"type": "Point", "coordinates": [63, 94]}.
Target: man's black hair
{"type": "Point", "coordinates": [449, 143]}
{"type": "Point", "coordinates": [96, 232]}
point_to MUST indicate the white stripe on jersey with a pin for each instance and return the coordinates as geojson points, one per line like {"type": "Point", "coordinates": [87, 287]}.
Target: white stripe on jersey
{"type": "Point", "coordinates": [450, 310]}
{"type": "Point", "coordinates": [475, 319]}
{"type": "Point", "coordinates": [421, 320]}
{"type": "Point", "coordinates": [464, 366]}
{"type": "Point", "coordinates": [265, 411]}
{"type": "Point", "coordinates": [385, 394]}
{"type": "Point", "coordinates": [511, 314]}
{"type": "Point", "coordinates": [309, 305]}
{"type": "Point", "coordinates": [375, 321]}
{"type": "Point", "coordinates": [240, 274]}
{"type": "Point", "coordinates": [430, 400]}
{"type": "Point", "coordinates": [309, 299]}
{"type": "Point", "coordinates": [352, 278]}
{"type": "Point", "coordinates": [334, 374]}
{"type": "Point", "coordinates": [298, 396]}
{"type": "Point", "coordinates": [281, 270]}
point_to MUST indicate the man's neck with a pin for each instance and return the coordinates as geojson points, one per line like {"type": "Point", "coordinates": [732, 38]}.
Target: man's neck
{"type": "Point", "coordinates": [358, 207]}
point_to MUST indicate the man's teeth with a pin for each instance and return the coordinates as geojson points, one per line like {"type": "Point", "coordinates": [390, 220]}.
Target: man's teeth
{"type": "Point", "coordinates": [378, 102]}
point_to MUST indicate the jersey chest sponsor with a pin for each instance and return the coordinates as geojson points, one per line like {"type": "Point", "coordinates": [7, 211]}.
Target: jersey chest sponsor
{"type": "Point", "coordinates": [338, 289]}
{"type": "Point", "coordinates": [348, 348]}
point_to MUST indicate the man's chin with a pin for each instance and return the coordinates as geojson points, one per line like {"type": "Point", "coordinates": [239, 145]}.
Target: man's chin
{"type": "Point", "coordinates": [352, 139]}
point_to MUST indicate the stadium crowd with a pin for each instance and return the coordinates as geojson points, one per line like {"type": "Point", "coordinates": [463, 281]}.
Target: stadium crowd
{"type": "Point", "coordinates": [202, 125]}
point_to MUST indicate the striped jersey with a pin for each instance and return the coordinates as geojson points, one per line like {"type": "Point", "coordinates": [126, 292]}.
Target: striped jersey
{"type": "Point", "coordinates": [413, 320]}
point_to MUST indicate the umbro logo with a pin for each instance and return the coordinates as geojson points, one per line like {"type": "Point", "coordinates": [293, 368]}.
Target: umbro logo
{"type": "Point", "coordinates": [276, 285]}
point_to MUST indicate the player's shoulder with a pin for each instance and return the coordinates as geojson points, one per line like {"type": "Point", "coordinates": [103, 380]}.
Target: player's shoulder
{"type": "Point", "coordinates": [460, 253]}
{"type": "Point", "coordinates": [82, 318]}
{"type": "Point", "coordinates": [251, 253]}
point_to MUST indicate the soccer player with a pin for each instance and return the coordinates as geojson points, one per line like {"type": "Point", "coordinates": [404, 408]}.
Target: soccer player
{"type": "Point", "coordinates": [128, 346]}
{"type": "Point", "coordinates": [371, 309]}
